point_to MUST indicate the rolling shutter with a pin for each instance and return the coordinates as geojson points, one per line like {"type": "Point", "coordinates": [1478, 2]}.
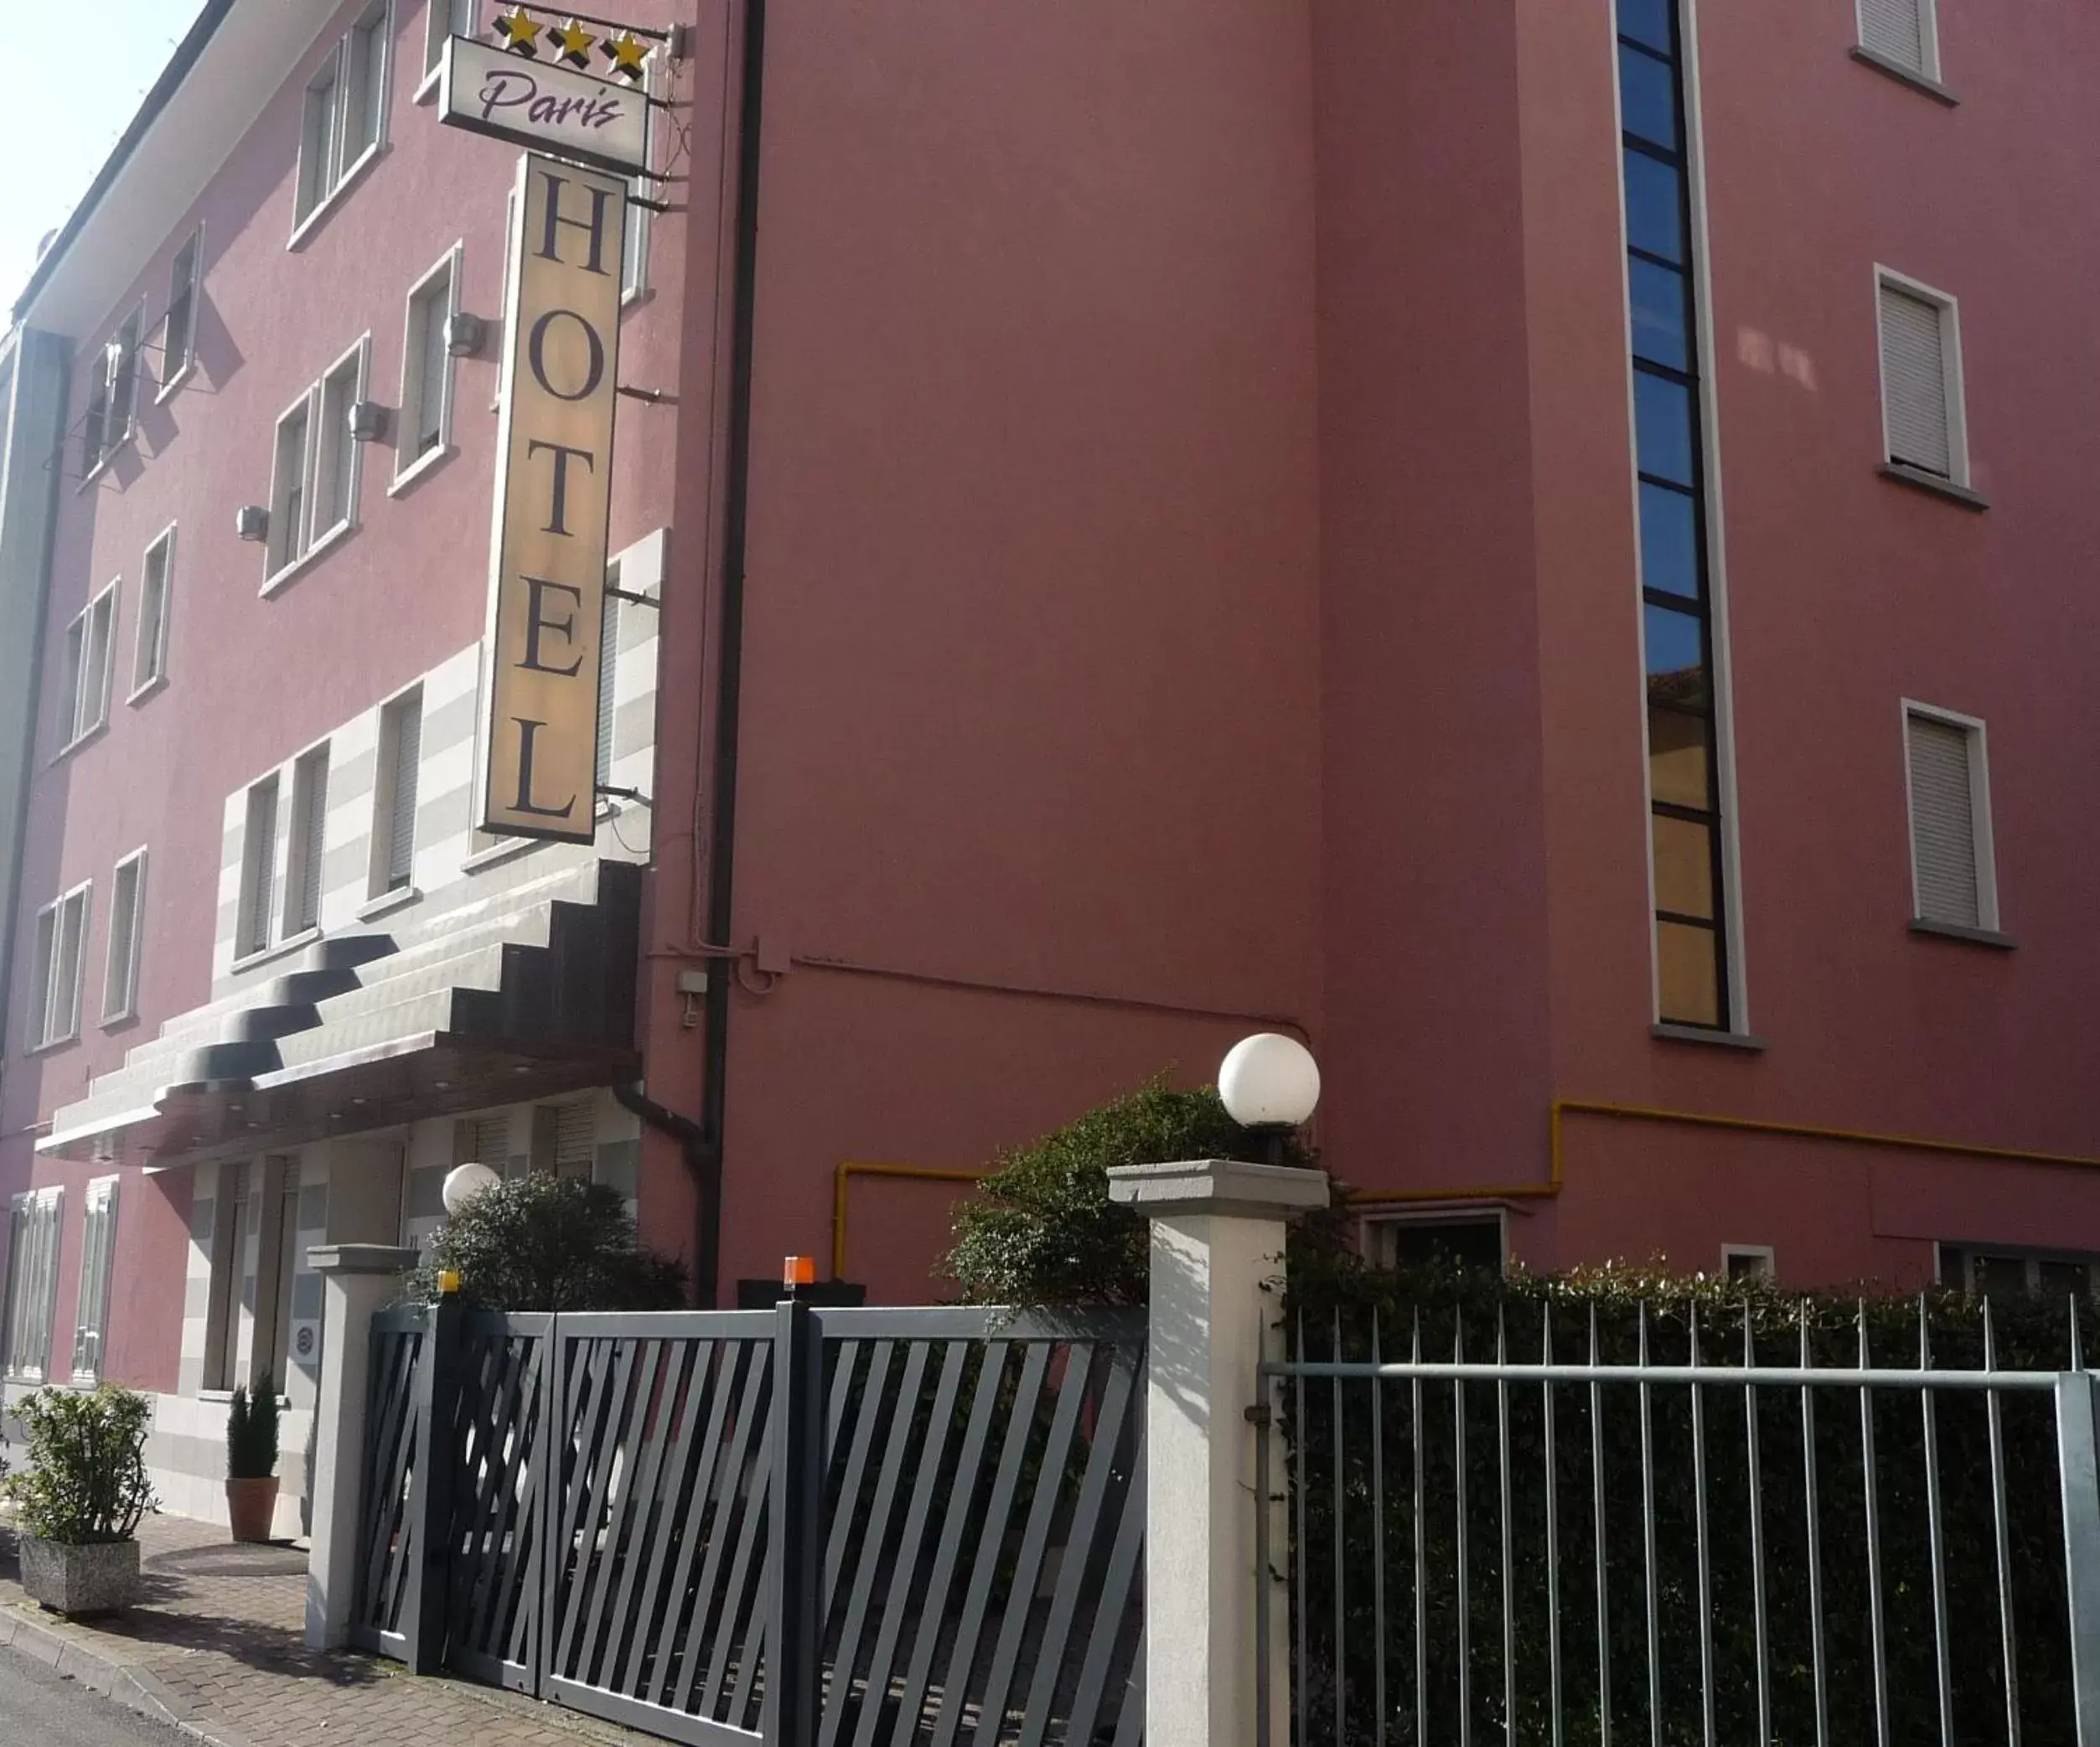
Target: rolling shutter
{"type": "Point", "coordinates": [575, 1139]}
{"type": "Point", "coordinates": [609, 668]}
{"type": "Point", "coordinates": [408, 756]}
{"type": "Point", "coordinates": [313, 800]}
{"type": "Point", "coordinates": [259, 851]}
{"type": "Point", "coordinates": [1895, 29]}
{"type": "Point", "coordinates": [1914, 382]}
{"type": "Point", "coordinates": [1943, 823]}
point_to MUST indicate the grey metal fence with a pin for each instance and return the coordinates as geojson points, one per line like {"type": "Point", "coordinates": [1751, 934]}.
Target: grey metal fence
{"type": "Point", "coordinates": [1701, 1540]}
{"type": "Point", "coordinates": [843, 1529]}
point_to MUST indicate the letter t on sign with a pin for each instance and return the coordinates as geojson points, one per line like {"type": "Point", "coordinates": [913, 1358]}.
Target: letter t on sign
{"type": "Point", "coordinates": [553, 498]}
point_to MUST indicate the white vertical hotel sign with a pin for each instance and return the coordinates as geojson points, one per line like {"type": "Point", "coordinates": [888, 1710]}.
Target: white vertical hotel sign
{"type": "Point", "coordinates": [562, 335]}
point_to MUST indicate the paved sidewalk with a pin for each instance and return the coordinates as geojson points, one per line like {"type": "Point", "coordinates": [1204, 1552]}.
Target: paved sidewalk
{"type": "Point", "coordinates": [215, 1648]}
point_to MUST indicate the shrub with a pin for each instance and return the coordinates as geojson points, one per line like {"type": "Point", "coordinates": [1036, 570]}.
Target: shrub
{"type": "Point", "coordinates": [1041, 1229]}
{"type": "Point", "coordinates": [251, 1432]}
{"type": "Point", "coordinates": [544, 1242]}
{"type": "Point", "coordinates": [86, 1482]}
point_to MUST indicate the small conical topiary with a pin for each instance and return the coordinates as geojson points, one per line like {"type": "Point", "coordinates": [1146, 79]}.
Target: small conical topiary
{"type": "Point", "coordinates": [251, 1432]}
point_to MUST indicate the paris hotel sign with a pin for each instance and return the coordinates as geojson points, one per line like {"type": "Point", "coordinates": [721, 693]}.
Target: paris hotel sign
{"type": "Point", "coordinates": [560, 362]}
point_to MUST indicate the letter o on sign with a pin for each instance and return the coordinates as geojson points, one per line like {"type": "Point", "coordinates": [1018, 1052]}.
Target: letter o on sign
{"type": "Point", "coordinates": [593, 377]}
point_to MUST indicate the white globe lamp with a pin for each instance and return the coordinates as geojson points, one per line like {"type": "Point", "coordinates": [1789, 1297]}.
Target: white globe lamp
{"type": "Point", "coordinates": [464, 1182]}
{"type": "Point", "coordinates": [1270, 1085]}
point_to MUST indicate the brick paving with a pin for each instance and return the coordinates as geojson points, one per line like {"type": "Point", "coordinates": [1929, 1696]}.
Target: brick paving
{"type": "Point", "coordinates": [217, 1639]}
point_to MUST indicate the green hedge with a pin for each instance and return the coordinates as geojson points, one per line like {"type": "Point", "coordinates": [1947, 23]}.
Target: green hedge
{"type": "Point", "coordinates": [1345, 1506]}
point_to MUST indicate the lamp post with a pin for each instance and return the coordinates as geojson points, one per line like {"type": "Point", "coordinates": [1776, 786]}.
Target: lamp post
{"type": "Point", "coordinates": [464, 1182]}
{"type": "Point", "coordinates": [1270, 1085]}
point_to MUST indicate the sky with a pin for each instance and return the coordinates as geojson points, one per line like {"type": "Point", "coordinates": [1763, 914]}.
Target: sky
{"type": "Point", "coordinates": [58, 127]}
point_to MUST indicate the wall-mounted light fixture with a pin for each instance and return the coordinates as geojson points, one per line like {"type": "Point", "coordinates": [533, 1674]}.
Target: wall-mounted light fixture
{"type": "Point", "coordinates": [251, 521]}
{"type": "Point", "coordinates": [368, 422]}
{"type": "Point", "coordinates": [465, 335]}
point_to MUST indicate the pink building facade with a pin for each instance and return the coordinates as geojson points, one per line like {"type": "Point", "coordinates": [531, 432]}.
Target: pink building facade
{"type": "Point", "coordinates": [1495, 539]}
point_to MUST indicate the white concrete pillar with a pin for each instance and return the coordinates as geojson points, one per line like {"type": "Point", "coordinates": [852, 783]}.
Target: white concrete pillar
{"type": "Point", "coordinates": [358, 1280]}
{"type": "Point", "coordinates": [1217, 1242]}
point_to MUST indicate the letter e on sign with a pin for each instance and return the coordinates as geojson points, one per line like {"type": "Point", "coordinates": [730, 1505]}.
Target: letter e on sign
{"type": "Point", "coordinates": [560, 366]}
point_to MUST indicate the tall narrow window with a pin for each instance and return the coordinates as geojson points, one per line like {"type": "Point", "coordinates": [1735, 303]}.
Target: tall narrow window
{"type": "Point", "coordinates": [635, 239]}
{"type": "Point", "coordinates": [1921, 414]}
{"type": "Point", "coordinates": [609, 668]}
{"type": "Point", "coordinates": [178, 334]}
{"type": "Point", "coordinates": [98, 1248]}
{"type": "Point", "coordinates": [61, 959]}
{"type": "Point", "coordinates": [308, 842]}
{"type": "Point", "coordinates": [575, 1139]}
{"type": "Point", "coordinates": [84, 697]}
{"type": "Point", "coordinates": [149, 656]}
{"type": "Point", "coordinates": [1953, 880]}
{"type": "Point", "coordinates": [289, 522]}
{"type": "Point", "coordinates": [258, 869]}
{"type": "Point", "coordinates": [316, 138]}
{"type": "Point", "coordinates": [127, 912]}
{"type": "Point", "coordinates": [400, 757]}
{"type": "Point", "coordinates": [123, 360]}
{"type": "Point", "coordinates": [426, 367]}
{"type": "Point", "coordinates": [365, 85]}
{"type": "Point", "coordinates": [1903, 32]}
{"type": "Point", "coordinates": [335, 454]}
{"type": "Point", "coordinates": [32, 1281]}
{"type": "Point", "coordinates": [446, 17]}
{"type": "Point", "coordinates": [345, 115]}
{"type": "Point", "coordinates": [1684, 751]}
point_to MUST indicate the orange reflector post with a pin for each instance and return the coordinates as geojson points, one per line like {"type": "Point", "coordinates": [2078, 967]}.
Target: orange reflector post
{"type": "Point", "coordinates": [798, 1271]}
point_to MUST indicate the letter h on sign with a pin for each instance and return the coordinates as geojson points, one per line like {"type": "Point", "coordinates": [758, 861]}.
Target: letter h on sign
{"type": "Point", "coordinates": [553, 496]}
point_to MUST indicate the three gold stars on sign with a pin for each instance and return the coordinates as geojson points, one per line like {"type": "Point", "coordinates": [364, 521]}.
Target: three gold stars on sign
{"type": "Point", "coordinates": [521, 33]}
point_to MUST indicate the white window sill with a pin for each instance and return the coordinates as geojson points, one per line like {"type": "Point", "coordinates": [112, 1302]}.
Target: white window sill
{"type": "Point", "coordinates": [1914, 77]}
{"type": "Point", "coordinates": [426, 92]}
{"type": "Point", "coordinates": [1665, 1033]}
{"type": "Point", "coordinates": [324, 208]}
{"type": "Point", "coordinates": [389, 901]}
{"type": "Point", "coordinates": [80, 740]}
{"type": "Point", "coordinates": [499, 853]}
{"type": "Point", "coordinates": [414, 473]}
{"type": "Point", "coordinates": [94, 474]}
{"type": "Point", "coordinates": [141, 694]}
{"type": "Point", "coordinates": [283, 949]}
{"type": "Point", "coordinates": [288, 574]}
{"type": "Point", "coordinates": [167, 390]}
{"type": "Point", "coordinates": [51, 1044]}
{"type": "Point", "coordinates": [1903, 473]}
{"type": "Point", "coordinates": [1957, 931]}
{"type": "Point", "coordinates": [110, 1021]}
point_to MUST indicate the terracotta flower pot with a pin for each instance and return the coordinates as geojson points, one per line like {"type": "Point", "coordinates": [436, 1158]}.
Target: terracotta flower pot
{"type": "Point", "coordinates": [251, 1505]}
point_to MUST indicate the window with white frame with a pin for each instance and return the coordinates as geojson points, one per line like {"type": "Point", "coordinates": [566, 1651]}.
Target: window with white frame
{"type": "Point", "coordinates": [112, 395]}
{"type": "Point", "coordinates": [336, 454]}
{"type": "Point", "coordinates": [254, 1246]}
{"type": "Point", "coordinates": [59, 968]}
{"type": "Point", "coordinates": [608, 669]}
{"type": "Point", "coordinates": [84, 696]}
{"type": "Point", "coordinates": [426, 367]}
{"type": "Point", "coordinates": [445, 18]}
{"type": "Point", "coordinates": [98, 1250]}
{"type": "Point", "coordinates": [1953, 879]}
{"type": "Point", "coordinates": [289, 521]}
{"type": "Point", "coordinates": [1924, 425]}
{"type": "Point", "coordinates": [1904, 33]}
{"type": "Point", "coordinates": [401, 751]}
{"type": "Point", "coordinates": [635, 239]}
{"type": "Point", "coordinates": [1743, 1263]}
{"type": "Point", "coordinates": [32, 1281]}
{"type": "Point", "coordinates": [157, 580]}
{"type": "Point", "coordinates": [308, 842]}
{"type": "Point", "coordinates": [127, 915]}
{"type": "Point", "coordinates": [345, 120]}
{"type": "Point", "coordinates": [258, 870]}
{"type": "Point", "coordinates": [178, 333]}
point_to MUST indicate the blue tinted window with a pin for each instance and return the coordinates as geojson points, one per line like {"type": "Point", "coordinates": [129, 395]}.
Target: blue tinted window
{"type": "Point", "coordinates": [1669, 541]}
{"type": "Point", "coordinates": [1647, 21]}
{"type": "Point", "coordinates": [1676, 658]}
{"type": "Point", "coordinates": [1663, 427]}
{"type": "Point", "coordinates": [1658, 313]}
{"type": "Point", "coordinates": [1647, 97]}
{"type": "Point", "coordinates": [1654, 213]}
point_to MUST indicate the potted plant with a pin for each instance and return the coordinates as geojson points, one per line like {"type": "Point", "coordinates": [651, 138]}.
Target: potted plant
{"type": "Point", "coordinates": [251, 1460]}
{"type": "Point", "coordinates": [78, 1504]}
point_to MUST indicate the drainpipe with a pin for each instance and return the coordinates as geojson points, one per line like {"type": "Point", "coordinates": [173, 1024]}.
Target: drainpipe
{"type": "Point", "coordinates": [722, 860]}
{"type": "Point", "coordinates": [703, 1159]}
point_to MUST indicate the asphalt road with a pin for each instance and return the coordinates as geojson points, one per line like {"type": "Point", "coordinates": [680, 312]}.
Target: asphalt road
{"type": "Point", "coordinates": [37, 1706]}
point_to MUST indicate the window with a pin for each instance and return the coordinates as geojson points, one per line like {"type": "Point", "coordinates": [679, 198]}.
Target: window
{"type": "Point", "coordinates": [32, 1281]}
{"type": "Point", "coordinates": [178, 334]}
{"type": "Point", "coordinates": [345, 115]}
{"type": "Point", "coordinates": [426, 367]}
{"type": "Point", "coordinates": [336, 454]}
{"type": "Point", "coordinates": [1923, 426]}
{"type": "Point", "coordinates": [288, 520]}
{"type": "Point", "coordinates": [1952, 882]}
{"type": "Point", "coordinates": [635, 239]}
{"type": "Point", "coordinates": [253, 1252]}
{"type": "Point", "coordinates": [61, 959]}
{"type": "Point", "coordinates": [609, 666]}
{"type": "Point", "coordinates": [112, 395]}
{"type": "Point", "coordinates": [1903, 32]}
{"type": "Point", "coordinates": [401, 751]}
{"type": "Point", "coordinates": [98, 1248]}
{"type": "Point", "coordinates": [308, 842]}
{"type": "Point", "coordinates": [575, 1139]}
{"type": "Point", "coordinates": [446, 17]}
{"type": "Point", "coordinates": [258, 869]}
{"type": "Point", "coordinates": [127, 913]}
{"type": "Point", "coordinates": [1686, 844]}
{"type": "Point", "coordinates": [1746, 1262]}
{"type": "Point", "coordinates": [1472, 1241]}
{"type": "Point", "coordinates": [84, 696]}
{"type": "Point", "coordinates": [2005, 1274]}
{"type": "Point", "coordinates": [485, 1140]}
{"type": "Point", "coordinates": [149, 658]}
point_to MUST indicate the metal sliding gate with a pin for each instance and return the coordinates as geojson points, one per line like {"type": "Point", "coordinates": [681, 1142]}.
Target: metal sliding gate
{"type": "Point", "coordinates": [848, 1528]}
{"type": "Point", "coordinates": [1725, 1542]}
